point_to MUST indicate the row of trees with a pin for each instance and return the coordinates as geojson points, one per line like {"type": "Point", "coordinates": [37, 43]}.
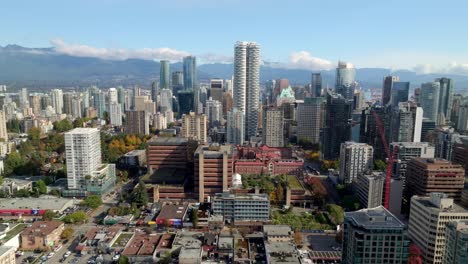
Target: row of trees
{"type": "Point", "coordinates": [113, 147]}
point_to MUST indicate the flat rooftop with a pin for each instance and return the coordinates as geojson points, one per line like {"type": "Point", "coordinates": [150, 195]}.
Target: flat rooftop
{"type": "Point", "coordinates": [242, 196]}
{"type": "Point", "coordinates": [283, 252]}
{"type": "Point", "coordinates": [82, 130]}
{"type": "Point", "coordinates": [173, 211]}
{"type": "Point", "coordinates": [41, 228]}
{"type": "Point", "coordinates": [43, 202]}
{"type": "Point", "coordinates": [166, 176]}
{"type": "Point", "coordinates": [426, 202]}
{"type": "Point", "coordinates": [135, 152]}
{"type": "Point", "coordinates": [167, 141]}
{"type": "Point", "coordinates": [374, 218]}
{"type": "Point", "coordinates": [214, 151]}
{"type": "Point", "coordinates": [190, 253]}
{"type": "Point", "coordinates": [142, 244]}
{"type": "Point", "coordinates": [277, 230]}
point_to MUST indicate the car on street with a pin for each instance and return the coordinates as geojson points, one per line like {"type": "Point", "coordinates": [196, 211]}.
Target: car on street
{"type": "Point", "coordinates": [50, 255]}
{"type": "Point", "coordinates": [67, 254]}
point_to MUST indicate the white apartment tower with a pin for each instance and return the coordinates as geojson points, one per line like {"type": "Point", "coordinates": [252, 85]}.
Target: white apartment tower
{"type": "Point", "coordinates": [235, 127]}
{"type": "Point", "coordinates": [247, 84]}
{"type": "Point", "coordinates": [57, 100]}
{"type": "Point", "coordinates": [355, 158]}
{"type": "Point", "coordinates": [83, 155]}
{"type": "Point", "coordinates": [3, 128]}
{"type": "Point", "coordinates": [115, 113]}
{"type": "Point", "coordinates": [113, 95]}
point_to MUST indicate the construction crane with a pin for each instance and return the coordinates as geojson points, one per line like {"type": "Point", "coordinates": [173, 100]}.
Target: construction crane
{"type": "Point", "coordinates": [390, 159]}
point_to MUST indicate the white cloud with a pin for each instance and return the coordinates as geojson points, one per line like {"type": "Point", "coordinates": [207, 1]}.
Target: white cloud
{"type": "Point", "coordinates": [452, 68]}
{"type": "Point", "coordinates": [118, 54]}
{"type": "Point", "coordinates": [305, 60]}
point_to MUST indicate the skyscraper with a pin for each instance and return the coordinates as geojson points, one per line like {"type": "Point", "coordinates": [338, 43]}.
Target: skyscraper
{"type": "Point", "coordinates": [165, 100]}
{"type": "Point", "coordinates": [406, 123]}
{"type": "Point", "coordinates": [387, 89]}
{"type": "Point", "coordinates": [316, 85]}
{"type": "Point", "coordinates": [456, 238]}
{"type": "Point", "coordinates": [399, 93]}
{"type": "Point", "coordinates": [185, 99]}
{"type": "Point", "coordinates": [374, 235]}
{"type": "Point", "coordinates": [57, 100]}
{"type": "Point", "coordinates": [177, 82]}
{"type": "Point", "coordinates": [355, 159]}
{"type": "Point", "coordinates": [115, 114]}
{"type": "Point", "coordinates": [345, 80]}
{"type": "Point", "coordinates": [337, 126]}
{"type": "Point", "coordinates": [310, 118]}
{"type": "Point", "coordinates": [273, 128]}
{"type": "Point", "coordinates": [190, 73]}
{"type": "Point", "coordinates": [137, 122]}
{"type": "Point", "coordinates": [83, 154]}
{"type": "Point", "coordinates": [214, 112]}
{"type": "Point", "coordinates": [235, 127]}
{"type": "Point", "coordinates": [154, 91]}
{"type": "Point", "coordinates": [247, 84]}
{"type": "Point", "coordinates": [113, 95]}
{"type": "Point", "coordinates": [429, 100]}
{"type": "Point", "coordinates": [23, 98]}
{"type": "Point", "coordinates": [445, 97]}
{"type": "Point", "coordinates": [164, 75]}
{"type": "Point", "coordinates": [462, 124]}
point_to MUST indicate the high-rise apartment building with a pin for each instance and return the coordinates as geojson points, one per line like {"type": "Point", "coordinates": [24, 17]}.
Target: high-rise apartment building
{"type": "Point", "coordinates": [406, 123]}
{"type": "Point", "coordinates": [194, 127]}
{"type": "Point", "coordinates": [428, 221]}
{"type": "Point", "coordinates": [273, 127]}
{"type": "Point", "coordinates": [214, 112]}
{"type": "Point", "coordinates": [235, 127]}
{"type": "Point", "coordinates": [154, 91]}
{"type": "Point", "coordinates": [115, 114]}
{"type": "Point", "coordinates": [136, 122]}
{"type": "Point", "coordinates": [165, 100]}
{"type": "Point", "coordinates": [337, 125]}
{"type": "Point", "coordinates": [247, 84]}
{"type": "Point", "coordinates": [213, 170]}
{"type": "Point", "coordinates": [310, 119]}
{"type": "Point", "coordinates": [190, 73]}
{"type": "Point", "coordinates": [216, 89]}
{"type": "Point", "coordinates": [429, 100]}
{"type": "Point", "coordinates": [406, 151]}
{"type": "Point", "coordinates": [445, 98]}
{"type": "Point", "coordinates": [456, 242]}
{"type": "Point", "coordinates": [374, 235]}
{"type": "Point", "coordinates": [113, 95]}
{"type": "Point", "coordinates": [462, 124]}
{"type": "Point", "coordinates": [164, 74]}
{"type": "Point", "coordinates": [159, 121]}
{"type": "Point", "coordinates": [355, 159]}
{"type": "Point", "coordinates": [23, 98]}
{"type": "Point", "coordinates": [424, 176]}
{"type": "Point", "coordinates": [369, 188]}
{"type": "Point", "coordinates": [345, 80]}
{"type": "Point", "coordinates": [316, 85]}
{"type": "Point", "coordinates": [83, 155]}
{"type": "Point", "coordinates": [3, 128]}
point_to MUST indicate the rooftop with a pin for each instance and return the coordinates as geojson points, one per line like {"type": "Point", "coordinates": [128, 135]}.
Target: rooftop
{"type": "Point", "coordinates": [173, 211]}
{"type": "Point", "coordinates": [103, 234]}
{"type": "Point", "coordinates": [83, 130]}
{"type": "Point", "coordinates": [428, 202]}
{"type": "Point", "coordinates": [142, 244]}
{"type": "Point", "coordinates": [190, 253]}
{"type": "Point", "coordinates": [135, 152]}
{"type": "Point", "coordinates": [213, 151]}
{"type": "Point", "coordinates": [43, 202]}
{"type": "Point", "coordinates": [5, 249]}
{"type": "Point", "coordinates": [242, 196]}
{"type": "Point", "coordinates": [41, 228]}
{"type": "Point", "coordinates": [374, 218]}
{"type": "Point", "coordinates": [282, 252]}
{"type": "Point", "coordinates": [277, 230]}
{"type": "Point", "coordinates": [167, 141]}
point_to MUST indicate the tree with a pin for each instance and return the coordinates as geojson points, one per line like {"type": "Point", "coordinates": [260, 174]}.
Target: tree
{"type": "Point", "coordinates": [123, 260]}
{"type": "Point", "coordinates": [140, 195]}
{"type": "Point", "coordinates": [75, 218]}
{"type": "Point", "coordinates": [22, 193]}
{"type": "Point", "coordinates": [13, 126]}
{"type": "Point", "coordinates": [63, 126]}
{"type": "Point", "coordinates": [319, 191]}
{"type": "Point", "coordinates": [41, 187]}
{"type": "Point", "coordinates": [166, 259]}
{"type": "Point", "coordinates": [380, 165]}
{"type": "Point", "coordinates": [49, 215]}
{"type": "Point", "coordinates": [93, 201]}
{"type": "Point", "coordinates": [194, 217]}
{"type": "Point", "coordinates": [12, 163]}
{"type": "Point", "coordinates": [298, 238]}
{"type": "Point", "coordinates": [34, 134]}
{"type": "Point", "coordinates": [336, 212]}
{"type": "Point", "coordinates": [330, 164]}
{"type": "Point", "coordinates": [67, 233]}
{"type": "Point", "coordinates": [279, 192]}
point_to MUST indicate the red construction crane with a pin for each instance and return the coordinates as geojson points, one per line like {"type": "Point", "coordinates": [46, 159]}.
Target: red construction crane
{"type": "Point", "coordinates": [390, 156]}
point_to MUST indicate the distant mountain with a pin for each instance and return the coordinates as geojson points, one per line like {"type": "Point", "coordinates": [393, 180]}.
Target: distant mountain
{"type": "Point", "coordinates": [44, 67]}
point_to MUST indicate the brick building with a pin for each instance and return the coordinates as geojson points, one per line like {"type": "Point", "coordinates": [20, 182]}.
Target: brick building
{"type": "Point", "coordinates": [41, 235]}
{"type": "Point", "coordinates": [165, 152]}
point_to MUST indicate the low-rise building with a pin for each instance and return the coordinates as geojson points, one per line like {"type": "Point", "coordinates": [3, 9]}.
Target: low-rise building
{"type": "Point", "coordinates": [142, 248]}
{"type": "Point", "coordinates": [100, 238]}
{"type": "Point", "coordinates": [12, 185]}
{"type": "Point", "coordinates": [134, 159]}
{"type": "Point", "coordinates": [32, 207]}
{"type": "Point", "coordinates": [7, 255]}
{"type": "Point", "coordinates": [278, 233]}
{"type": "Point", "coordinates": [41, 235]}
{"type": "Point", "coordinates": [242, 207]}
{"type": "Point", "coordinates": [172, 215]}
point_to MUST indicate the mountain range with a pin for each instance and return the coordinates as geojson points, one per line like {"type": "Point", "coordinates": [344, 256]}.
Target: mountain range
{"type": "Point", "coordinates": [44, 68]}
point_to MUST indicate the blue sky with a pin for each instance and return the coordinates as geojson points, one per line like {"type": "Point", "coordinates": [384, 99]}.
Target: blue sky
{"type": "Point", "coordinates": [413, 34]}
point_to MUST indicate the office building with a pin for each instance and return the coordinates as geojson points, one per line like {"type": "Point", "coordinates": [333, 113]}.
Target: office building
{"type": "Point", "coordinates": [337, 126]}
{"type": "Point", "coordinates": [273, 127]}
{"type": "Point", "coordinates": [121, 97]}
{"type": "Point", "coordinates": [445, 138]}
{"type": "Point", "coordinates": [374, 235]}
{"type": "Point", "coordinates": [279, 85]}
{"type": "Point", "coordinates": [23, 98]}
{"type": "Point", "coordinates": [154, 91]}
{"type": "Point", "coordinates": [67, 103]}
{"type": "Point", "coordinates": [242, 207]}
{"type": "Point", "coordinates": [345, 80]}
{"type": "Point", "coordinates": [190, 73]}
{"type": "Point", "coordinates": [429, 100]}
{"type": "Point", "coordinates": [177, 82]}
{"type": "Point", "coordinates": [214, 112]}
{"type": "Point", "coordinates": [425, 176]}
{"type": "Point", "coordinates": [406, 124]}
{"type": "Point", "coordinates": [459, 154]}
{"type": "Point", "coordinates": [136, 122]}
{"type": "Point", "coordinates": [186, 103]}
{"type": "Point", "coordinates": [164, 74]}
{"type": "Point", "coordinates": [83, 155]}
{"type": "Point", "coordinates": [407, 151]}
{"type": "Point", "coordinates": [445, 98]}
{"type": "Point", "coordinates": [194, 127]}
{"type": "Point", "coordinates": [462, 123]}
{"type": "Point", "coordinates": [316, 85]}
{"type": "Point", "coordinates": [246, 84]}
{"type": "Point", "coordinates": [235, 127]}
{"type": "Point", "coordinates": [399, 93]}
{"type": "Point", "coordinates": [217, 89]}
{"type": "Point", "coordinates": [369, 188]}
{"type": "Point", "coordinates": [355, 159]}
{"type": "Point", "coordinates": [369, 129]}
{"type": "Point", "coordinates": [115, 114]}
{"type": "Point", "coordinates": [428, 221]}
{"type": "Point", "coordinates": [227, 102]}
{"type": "Point", "coordinates": [310, 119]}
{"type": "Point", "coordinates": [387, 89]}
{"type": "Point", "coordinates": [166, 100]}
{"type": "Point", "coordinates": [359, 99]}
{"type": "Point", "coordinates": [164, 152]}
{"type": "Point", "coordinates": [99, 103]}
{"type": "Point", "coordinates": [213, 170]}
{"type": "Point", "coordinates": [456, 242]}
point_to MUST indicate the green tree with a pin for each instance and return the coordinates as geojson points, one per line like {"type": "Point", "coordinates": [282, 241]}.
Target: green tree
{"type": "Point", "coordinates": [63, 126]}
{"type": "Point", "coordinates": [49, 215]}
{"type": "Point", "coordinates": [166, 259]}
{"type": "Point", "coordinates": [194, 217]}
{"type": "Point", "coordinates": [13, 126]}
{"type": "Point", "coordinates": [336, 212]}
{"type": "Point", "coordinates": [12, 163]}
{"type": "Point", "coordinates": [67, 233]}
{"type": "Point", "coordinates": [380, 165]}
{"type": "Point", "coordinates": [93, 201]}
{"type": "Point", "coordinates": [75, 218]}
{"type": "Point", "coordinates": [140, 195]}
{"type": "Point", "coordinates": [34, 134]}
{"type": "Point", "coordinates": [22, 193]}
{"type": "Point", "coordinates": [41, 187]}
{"type": "Point", "coordinates": [123, 260]}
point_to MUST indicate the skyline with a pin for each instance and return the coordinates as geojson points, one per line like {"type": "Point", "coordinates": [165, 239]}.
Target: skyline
{"type": "Point", "coordinates": [410, 38]}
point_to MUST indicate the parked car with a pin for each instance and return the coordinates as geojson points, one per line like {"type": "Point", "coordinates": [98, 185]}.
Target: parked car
{"type": "Point", "coordinates": [67, 254]}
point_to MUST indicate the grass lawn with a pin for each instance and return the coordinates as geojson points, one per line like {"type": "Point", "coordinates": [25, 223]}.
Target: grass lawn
{"type": "Point", "coordinates": [122, 240]}
{"type": "Point", "coordinates": [14, 231]}
{"type": "Point", "coordinates": [293, 183]}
